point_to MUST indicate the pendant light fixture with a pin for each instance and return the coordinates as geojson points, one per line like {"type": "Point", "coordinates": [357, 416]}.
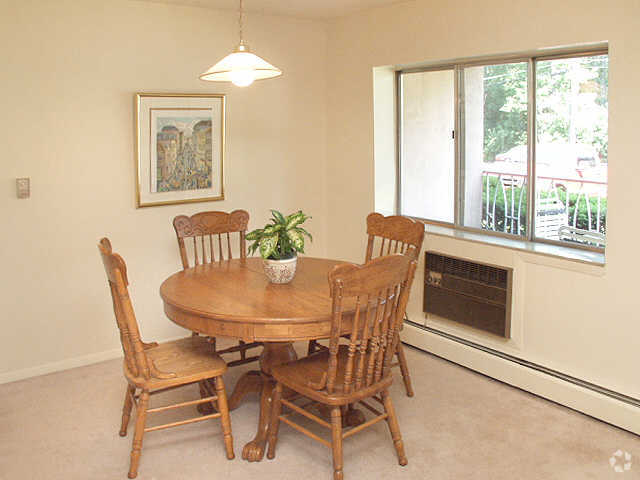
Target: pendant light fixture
{"type": "Point", "coordinates": [241, 67]}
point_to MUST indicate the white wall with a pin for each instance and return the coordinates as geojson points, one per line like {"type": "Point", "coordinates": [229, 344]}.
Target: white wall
{"type": "Point", "coordinates": [70, 71]}
{"type": "Point", "coordinates": [579, 320]}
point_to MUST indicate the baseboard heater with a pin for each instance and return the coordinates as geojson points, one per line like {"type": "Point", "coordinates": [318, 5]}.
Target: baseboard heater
{"type": "Point", "coordinates": [525, 363]}
{"type": "Point", "coordinates": [470, 293]}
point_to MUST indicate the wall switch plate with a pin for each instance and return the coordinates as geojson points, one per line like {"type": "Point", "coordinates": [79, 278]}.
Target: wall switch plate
{"type": "Point", "coordinates": [23, 187]}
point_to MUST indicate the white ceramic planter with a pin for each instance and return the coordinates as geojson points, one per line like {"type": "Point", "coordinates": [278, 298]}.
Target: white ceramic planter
{"type": "Point", "coordinates": [280, 271]}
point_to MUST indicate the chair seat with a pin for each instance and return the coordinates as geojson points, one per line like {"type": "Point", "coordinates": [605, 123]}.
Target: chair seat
{"type": "Point", "coordinates": [192, 359]}
{"type": "Point", "coordinates": [301, 375]}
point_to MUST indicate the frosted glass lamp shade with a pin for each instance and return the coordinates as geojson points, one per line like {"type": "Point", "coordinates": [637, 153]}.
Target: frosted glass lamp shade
{"type": "Point", "coordinates": [241, 67]}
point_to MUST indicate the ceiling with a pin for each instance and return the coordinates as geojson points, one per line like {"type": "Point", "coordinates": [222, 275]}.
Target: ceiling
{"type": "Point", "coordinates": [316, 9]}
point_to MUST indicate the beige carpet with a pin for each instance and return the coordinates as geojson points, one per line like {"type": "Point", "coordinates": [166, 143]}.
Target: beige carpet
{"type": "Point", "coordinates": [460, 425]}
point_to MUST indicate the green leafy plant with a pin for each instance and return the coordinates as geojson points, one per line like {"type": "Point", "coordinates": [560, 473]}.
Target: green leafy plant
{"type": "Point", "coordinates": [281, 238]}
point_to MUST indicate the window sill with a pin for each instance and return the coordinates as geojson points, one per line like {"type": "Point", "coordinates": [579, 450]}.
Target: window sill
{"type": "Point", "coordinates": [557, 251]}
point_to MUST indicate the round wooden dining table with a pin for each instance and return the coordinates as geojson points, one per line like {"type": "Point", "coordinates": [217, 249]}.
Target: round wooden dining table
{"type": "Point", "coordinates": [235, 299]}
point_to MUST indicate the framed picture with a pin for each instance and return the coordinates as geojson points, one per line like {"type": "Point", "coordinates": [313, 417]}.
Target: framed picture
{"type": "Point", "coordinates": [179, 148]}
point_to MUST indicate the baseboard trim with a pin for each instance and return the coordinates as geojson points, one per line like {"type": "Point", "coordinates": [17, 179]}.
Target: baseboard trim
{"type": "Point", "coordinates": [59, 366]}
{"type": "Point", "coordinates": [611, 407]}
{"type": "Point", "coordinates": [65, 364]}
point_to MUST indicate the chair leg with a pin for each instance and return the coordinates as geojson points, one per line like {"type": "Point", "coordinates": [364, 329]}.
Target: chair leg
{"type": "Point", "coordinates": [336, 442]}
{"type": "Point", "coordinates": [205, 391]}
{"type": "Point", "coordinates": [406, 378]}
{"type": "Point", "coordinates": [126, 409]}
{"type": "Point", "coordinates": [352, 417]}
{"type": "Point", "coordinates": [225, 420]}
{"type": "Point", "coordinates": [276, 410]}
{"type": "Point", "coordinates": [313, 344]}
{"type": "Point", "coordinates": [394, 428]}
{"type": "Point", "coordinates": [211, 340]}
{"type": "Point", "coordinates": [141, 417]}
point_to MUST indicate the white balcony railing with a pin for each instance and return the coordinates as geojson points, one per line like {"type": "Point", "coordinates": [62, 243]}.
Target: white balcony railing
{"type": "Point", "coordinates": [571, 209]}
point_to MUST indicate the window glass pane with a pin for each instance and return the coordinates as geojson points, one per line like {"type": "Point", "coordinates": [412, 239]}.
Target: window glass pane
{"type": "Point", "coordinates": [571, 149]}
{"type": "Point", "coordinates": [495, 148]}
{"type": "Point", "coordinates": [428, 158]}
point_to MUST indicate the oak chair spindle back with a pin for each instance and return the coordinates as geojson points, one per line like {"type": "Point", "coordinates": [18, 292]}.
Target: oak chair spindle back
{"type": "Point", "coordinates": [389, 235]}
{"type": "Point", "coordinates": [401, 235]}
{"type": "Point", "coordinates": [133, 347]}
{"type": "Point", "coordinates": [395, 234]}
{"type": "Point", "coordinates": [380, 295]}
{"type": "Point", "coordinates": [351, 372]}
{"type": "Point", "coordinates": [208, 237]}
{"type": "Point", "coordinates": [151, 368]}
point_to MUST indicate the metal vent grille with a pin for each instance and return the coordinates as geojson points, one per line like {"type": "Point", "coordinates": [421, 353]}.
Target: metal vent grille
{"type": "Point", "coordinates": [471, 293]}
{"type": "Point", "coordinates": [468, 270]}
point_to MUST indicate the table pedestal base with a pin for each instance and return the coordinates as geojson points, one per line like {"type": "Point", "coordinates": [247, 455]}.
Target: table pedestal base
{"type": "Point", "coordinates": [261, 382]}
{"type": "Point", "coordinates": [274, 353]}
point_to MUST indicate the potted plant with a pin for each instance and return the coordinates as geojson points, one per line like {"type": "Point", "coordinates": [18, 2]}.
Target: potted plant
{"type": "Point", "coordinates": [278, 243]}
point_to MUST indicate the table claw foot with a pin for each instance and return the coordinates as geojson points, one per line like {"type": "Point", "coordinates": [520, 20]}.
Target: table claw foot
{"type": "Point", "coordinates": [254, 450]}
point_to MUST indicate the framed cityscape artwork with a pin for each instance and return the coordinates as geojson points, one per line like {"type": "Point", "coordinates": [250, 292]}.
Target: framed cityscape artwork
{"type": "Point", "coordinates": [179, 148]}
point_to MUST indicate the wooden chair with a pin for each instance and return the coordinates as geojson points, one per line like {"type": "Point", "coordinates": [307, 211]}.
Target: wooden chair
{"type": "Point", "coordinates": [208, 237]}
{"type": "Point", "coordinates": [151, 368]}
{"type": "Point", "coordinates": [387, 235]}
{"type": "Point", "coordinates": [351, 373]}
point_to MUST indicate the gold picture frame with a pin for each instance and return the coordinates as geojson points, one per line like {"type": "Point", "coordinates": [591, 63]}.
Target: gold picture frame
{"type": "Point", "coordinates": [179, 148]}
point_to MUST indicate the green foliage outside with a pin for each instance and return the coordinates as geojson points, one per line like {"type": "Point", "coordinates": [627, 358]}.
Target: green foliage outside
{"type": "Point", "coordinates": [505, 108]}
{"type": "Point", "coordinates": [499, 225]}
{"type": "Point", "coordinates": [582, 220]}
{"type": "Point", "coordinates": [571, 98]}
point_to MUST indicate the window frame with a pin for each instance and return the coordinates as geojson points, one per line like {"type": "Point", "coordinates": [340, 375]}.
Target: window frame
{"type": "Point", "coordinates": [458, 66]}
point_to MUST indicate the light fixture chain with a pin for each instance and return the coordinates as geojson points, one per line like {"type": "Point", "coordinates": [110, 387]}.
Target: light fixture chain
{"type": "Point", "coordinates": [240, 21]}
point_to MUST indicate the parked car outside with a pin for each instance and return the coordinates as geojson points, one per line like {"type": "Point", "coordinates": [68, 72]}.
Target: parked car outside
{"type": "Point", "coordinates": [577, 155]}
